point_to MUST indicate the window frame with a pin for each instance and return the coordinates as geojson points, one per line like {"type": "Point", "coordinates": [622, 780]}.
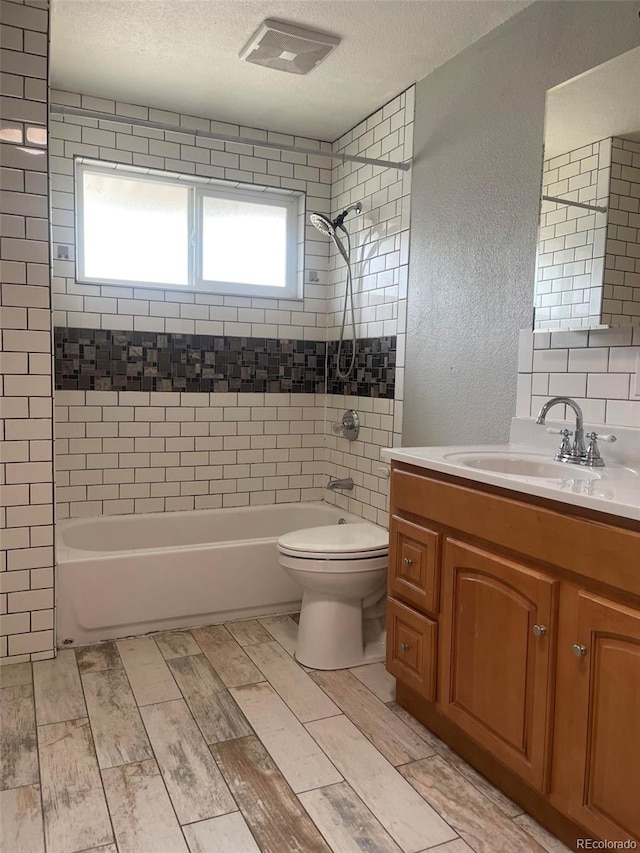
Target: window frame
{"type": "Point", "coordinates": [199, 188]}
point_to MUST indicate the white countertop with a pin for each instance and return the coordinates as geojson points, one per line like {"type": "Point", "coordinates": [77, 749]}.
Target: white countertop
{"type": "Point", "coordinates": [614, 489]}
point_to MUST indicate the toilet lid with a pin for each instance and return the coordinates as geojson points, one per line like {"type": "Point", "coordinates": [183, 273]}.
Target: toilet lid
{"type": "Point", "coordinates": [337, 541]}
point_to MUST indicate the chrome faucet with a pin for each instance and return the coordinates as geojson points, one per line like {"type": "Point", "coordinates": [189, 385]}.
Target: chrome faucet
{"type": "Point", "coordinates": [335, 483]}
{"type": "Point", "coordinates": [575, 453]}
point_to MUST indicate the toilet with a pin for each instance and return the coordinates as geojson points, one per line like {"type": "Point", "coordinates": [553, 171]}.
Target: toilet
{"type": "Point", "coordinates": [342, 569]}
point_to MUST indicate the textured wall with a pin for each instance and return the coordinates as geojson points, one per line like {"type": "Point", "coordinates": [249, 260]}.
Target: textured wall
{"type": "Point", "coordinates": [475, 197]}
{"type": "Point", "coordinates": [26, 475]}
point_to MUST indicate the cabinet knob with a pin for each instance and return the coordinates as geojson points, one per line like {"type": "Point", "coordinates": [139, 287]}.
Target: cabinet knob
{"type": "Point", "coordinates": [539, 630]}
{"type": "Point", "coordinates": [404, 647]}
{"type": "Point", "coordinates": [578, 650]}
{"type": "Point", "coordinates": [407, 561]}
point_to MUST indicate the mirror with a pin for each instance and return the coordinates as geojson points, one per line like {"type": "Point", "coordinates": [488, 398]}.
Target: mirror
{"type": "Point", "coordinates": [588, 254]}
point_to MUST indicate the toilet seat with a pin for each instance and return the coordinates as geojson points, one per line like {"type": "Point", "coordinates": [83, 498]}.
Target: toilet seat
{"type": "Point", "coordinates": [342, 542]}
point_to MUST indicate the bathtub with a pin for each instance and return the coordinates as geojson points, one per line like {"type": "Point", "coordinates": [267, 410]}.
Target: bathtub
{"type": "Point", "coordinates": [133, 574]}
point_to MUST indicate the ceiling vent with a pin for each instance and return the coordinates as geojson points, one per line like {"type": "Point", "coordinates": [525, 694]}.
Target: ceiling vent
{"type": "Point", "coordinates": [285, 47]}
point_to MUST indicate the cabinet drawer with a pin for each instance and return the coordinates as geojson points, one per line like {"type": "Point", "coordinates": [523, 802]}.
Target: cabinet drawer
{"type": "Point", "coordinates": [414, 558]}
{"type": "Point", "coordinates": [411, 648]}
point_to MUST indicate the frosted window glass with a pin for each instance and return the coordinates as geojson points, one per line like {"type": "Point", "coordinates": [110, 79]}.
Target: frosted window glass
{"type": "Point", "coordinates": [244, 243]}
{"type": "Point", "coordinates": [135, 230]}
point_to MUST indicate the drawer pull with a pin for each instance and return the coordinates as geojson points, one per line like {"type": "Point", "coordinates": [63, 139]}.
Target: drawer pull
{"type": "Point", "coordinates": [579, 650]}
{"type": "Point", "coordinates": [404, 647]}
{"type": "Point", "coordinates": [539, 630]}
{"type": "Point", "coordinates": [407, 561]}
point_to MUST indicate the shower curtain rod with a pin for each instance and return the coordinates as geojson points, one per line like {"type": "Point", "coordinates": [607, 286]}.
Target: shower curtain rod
{"type": "Point", "coordinates": [221, 137]}
{"type": "Point", "coordinates": [574, 203]}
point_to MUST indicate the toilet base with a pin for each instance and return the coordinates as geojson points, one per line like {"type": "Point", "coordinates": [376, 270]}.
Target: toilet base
{"type": "Point", "coordinates": [333, 635]}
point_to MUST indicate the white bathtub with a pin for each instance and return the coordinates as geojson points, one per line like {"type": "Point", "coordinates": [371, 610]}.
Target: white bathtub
{"type": "Point", "coordinates": [123, 575]}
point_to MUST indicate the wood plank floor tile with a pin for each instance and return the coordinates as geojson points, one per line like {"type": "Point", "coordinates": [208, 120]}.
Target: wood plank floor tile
{"type": "Point", "coordinates": [297, 755]}
{"type": "Point", "coordinates": [377, 679]}
{"type": "Point", "coordinates": [57, 688]}
{"type": "Point", "coordinates": [177, 644]}
{"type": "Point", "coordinates": [544, 838]}
{"type": "Point", "coordinates": [14, 674]}
{"type": "Point", "coordinates": [149, 675]}
{"type": "Point", "coordinates": [284, 630]}
{"type": "Point", "coordinates": [481, 824]}
{"type": "Point", "coordinates": [506, 806]}
{"type": "Point", "coordinates": [457, 846]}
{"type": "Point", "coordinates": [408, 819]}
{"type": "Point", "coordinates": [273, 813]}
{"type": "Point", "coordinates": [118, 733]}
{"type": "Point", "coordinates": [213, 707]}
{"type": "Point", "coordinates": [107, 848]}
{"type": "Point", "coordinates": [248, 633]}
{"type": "Point", "coordinates": [143, 819]}
{"type": "Point", "coordinates": [225, 655]}
{"type": "Point", "coordinates": [18, 755]}
{"type": "Point", "coordinates": [345, 821]}
{"type": "Point", "coordinates": [75, 811]}
{"type": "Point", "coordinates": [194, 783]}
{"type": "Point", "coordinates": [304, 697]}
{"type": "Point", "coordinates": [228, 833]}
{"type": "Point", "coordinates": [416, 726]}
{"type": "Point", "coordinates": [21, 829]}
{"type": "Point", "coordinates": [395, 740]}
{"type": "Point", "coordinates": [98, 657]}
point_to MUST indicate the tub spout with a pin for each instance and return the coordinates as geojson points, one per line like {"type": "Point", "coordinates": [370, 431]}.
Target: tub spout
{"type": "Point", "coordinates": [335, 483]}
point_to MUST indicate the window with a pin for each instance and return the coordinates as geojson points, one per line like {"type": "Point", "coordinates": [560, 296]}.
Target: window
{"type": "Point", "coordinates": [149, 228]}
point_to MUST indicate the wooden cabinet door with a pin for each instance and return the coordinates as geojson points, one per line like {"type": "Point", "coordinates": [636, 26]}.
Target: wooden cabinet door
{"type": "Point", "coordinates": [414, 565]}
{"type": "Point", "coordinates": [604, 689]}
{"type": "Point", "coordinates": [411, 648]}
{"type": "Point", "coordinates": [498, 630]}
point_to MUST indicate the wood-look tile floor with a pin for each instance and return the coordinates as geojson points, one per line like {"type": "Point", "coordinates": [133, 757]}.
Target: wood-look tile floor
{"type": "Point", "coordinates": [216, 741]}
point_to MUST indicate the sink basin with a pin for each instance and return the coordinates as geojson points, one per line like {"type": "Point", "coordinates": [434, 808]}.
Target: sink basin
{"type": "Point", "coordinates": [524, 465]}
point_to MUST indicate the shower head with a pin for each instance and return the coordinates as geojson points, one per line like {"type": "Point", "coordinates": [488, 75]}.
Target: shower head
{"type": "Point", "coordinates": [328, 227]}
{"type": "Point", "coordinates": [323, 224]}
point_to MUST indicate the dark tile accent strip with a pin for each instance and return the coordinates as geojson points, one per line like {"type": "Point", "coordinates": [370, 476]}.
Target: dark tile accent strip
{"type": "Point", "coordinates": [375, 369]}
{"type": "Point", "coordinates": [107, 360]}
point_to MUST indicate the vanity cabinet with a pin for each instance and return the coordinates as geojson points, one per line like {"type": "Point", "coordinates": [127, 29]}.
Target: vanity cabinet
{"type": "Point", "coordinates": [498, 626]}
{"type": "Point", "coordinates": [514, 634]}
{"type": "Point", "coordinates": [599, 716]}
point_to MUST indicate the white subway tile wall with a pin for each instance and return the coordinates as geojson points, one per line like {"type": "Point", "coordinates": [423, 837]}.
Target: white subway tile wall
{"type": "Point", "coordinates": [598, 368]}
{"type": "Point", "coordinates": [26, 473]}
{"type": "Point", "coordinates": [133, 451]}
{"type": "Point", "coordinates": [621, 298]}
{"type": "Point", "coordinates": [148, 309]}
{"type": "Point", "coordinates": [258, 448]}
{"type": "Point", "coordinates": [571, 240]}
{"type": "Point", "coordinates": [380, 240]}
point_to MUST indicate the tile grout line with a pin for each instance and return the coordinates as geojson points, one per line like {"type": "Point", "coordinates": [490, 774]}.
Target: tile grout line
{"type": "Point", "coordinates": [35, 723]}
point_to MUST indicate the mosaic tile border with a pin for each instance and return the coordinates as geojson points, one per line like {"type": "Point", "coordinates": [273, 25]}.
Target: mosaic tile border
{"type": "Point", "coordinates": [108, 360]}
{"type": "Point", "coordinates": [375, 371]}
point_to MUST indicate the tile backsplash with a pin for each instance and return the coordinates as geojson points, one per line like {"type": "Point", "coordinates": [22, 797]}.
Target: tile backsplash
{"type": "Point", "coordinates": [26, 425]}
{"type": "Point", "coordinates": [598, 368]}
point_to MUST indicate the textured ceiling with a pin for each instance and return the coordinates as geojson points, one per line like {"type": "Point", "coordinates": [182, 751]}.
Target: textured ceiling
{"type": "Point", "coordinates": [601, 103]}
{"type": "Point", "coordinates": [183, 55]}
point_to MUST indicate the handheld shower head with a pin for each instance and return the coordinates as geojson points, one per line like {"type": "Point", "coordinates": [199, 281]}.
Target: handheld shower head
{"type": "Point", "coordinates": [323, 224]}
{"type": "Point", "coordinates": [327, 226]}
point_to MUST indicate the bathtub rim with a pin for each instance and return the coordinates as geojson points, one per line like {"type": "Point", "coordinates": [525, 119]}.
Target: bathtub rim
{"type": "Point", "coordinates": [68, 554]}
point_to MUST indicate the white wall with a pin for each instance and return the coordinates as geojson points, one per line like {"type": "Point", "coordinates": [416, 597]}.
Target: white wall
{"type": "Point", "coordinates": [475, 199]}
{"type": "Point", "coordinates": [26, 475]}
